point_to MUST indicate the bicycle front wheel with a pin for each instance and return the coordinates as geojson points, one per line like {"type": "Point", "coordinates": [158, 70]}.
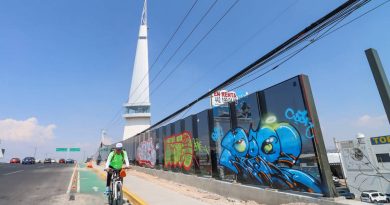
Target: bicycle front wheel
{"type": "Point", "coordinates": [119, 195]}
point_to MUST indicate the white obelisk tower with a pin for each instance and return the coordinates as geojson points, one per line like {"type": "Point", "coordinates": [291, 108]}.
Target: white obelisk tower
{"type": "Point", "coordinates": [137, 114]}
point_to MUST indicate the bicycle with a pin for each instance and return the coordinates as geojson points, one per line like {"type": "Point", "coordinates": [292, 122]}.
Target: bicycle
{"type": "Point", "coordinates": [115, 197]}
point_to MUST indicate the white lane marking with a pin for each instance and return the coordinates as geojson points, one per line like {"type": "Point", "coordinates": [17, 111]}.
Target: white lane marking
{"type": "Point", "coordinates": [71, 179]}
{"type": "Point", "coordinates": [95, 188]}
{"type": "Point", "coordinates": [14, 172]}
{"type": "Point", "coordinates": [78, 181]}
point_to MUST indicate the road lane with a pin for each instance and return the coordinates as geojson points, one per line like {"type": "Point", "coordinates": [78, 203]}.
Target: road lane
{"type": "Point", "coordinates": [14, 172]}
{"type": "Point", "coordinates": [33, 184]}
{"type": "Point", "coordinates": [7, 168]}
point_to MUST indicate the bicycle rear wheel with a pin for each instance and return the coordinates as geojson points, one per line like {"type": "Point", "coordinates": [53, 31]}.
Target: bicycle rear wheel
{"type": "Point", "coordinates": [111, 196]}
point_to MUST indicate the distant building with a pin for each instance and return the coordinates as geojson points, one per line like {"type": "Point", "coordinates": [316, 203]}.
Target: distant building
{"type": "Point", "coordinates": [334, 159]}
{"type": "Point", "coordinates": [366, 163]}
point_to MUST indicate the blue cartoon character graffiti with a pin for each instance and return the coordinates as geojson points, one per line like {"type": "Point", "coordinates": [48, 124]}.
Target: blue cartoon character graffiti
{"type": "Point", "coordinates": [267, 155]}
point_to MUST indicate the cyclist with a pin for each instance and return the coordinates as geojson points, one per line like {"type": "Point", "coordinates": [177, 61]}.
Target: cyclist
{"type": "Point", "coordinates": [115, 161]}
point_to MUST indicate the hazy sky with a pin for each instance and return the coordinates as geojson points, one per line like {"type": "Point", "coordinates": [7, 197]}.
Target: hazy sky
{"type": "Point", "coordinates": [65, 66]}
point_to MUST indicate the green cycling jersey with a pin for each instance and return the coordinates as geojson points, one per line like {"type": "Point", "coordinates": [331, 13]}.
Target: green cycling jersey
{"type": "Point", "coordinates": [116, 160]}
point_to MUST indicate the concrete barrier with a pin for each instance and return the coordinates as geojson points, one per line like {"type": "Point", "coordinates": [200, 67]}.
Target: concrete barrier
{"type": "Point", "coordinates": [239, 191]}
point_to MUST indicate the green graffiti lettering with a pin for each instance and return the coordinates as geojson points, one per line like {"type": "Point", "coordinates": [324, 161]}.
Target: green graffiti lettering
{"type": "Point", "coordinates": [178, 151]}
{"type": "Point", "coordinates": [198, 147]}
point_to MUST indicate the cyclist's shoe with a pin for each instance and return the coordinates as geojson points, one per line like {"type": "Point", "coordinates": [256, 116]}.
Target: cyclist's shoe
{"type": "Point", "coordinates": [107, 192]}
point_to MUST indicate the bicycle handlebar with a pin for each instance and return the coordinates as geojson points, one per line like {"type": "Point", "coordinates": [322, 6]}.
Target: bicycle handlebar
{"type": "Point", "coordinates": [111, 169]}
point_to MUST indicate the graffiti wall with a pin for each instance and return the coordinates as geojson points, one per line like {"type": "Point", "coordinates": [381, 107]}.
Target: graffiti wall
{"type": "Point", "coordinates": [178, 151]}
{"type": "Point", "coordinates": [146, 153]}
{"type": "Point", "coordinates": [270, 139]}
{"type": "Point", "coordinates": [267, 138]}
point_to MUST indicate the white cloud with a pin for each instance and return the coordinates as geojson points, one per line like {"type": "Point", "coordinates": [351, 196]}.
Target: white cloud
{"type": "Point", "coordinates": [372, 121]}
{"type": "Point", "coordinates": [25, 130]}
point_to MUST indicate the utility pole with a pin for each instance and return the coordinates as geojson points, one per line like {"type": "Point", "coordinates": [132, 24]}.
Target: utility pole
{"type": "Point", "coordinates": [35, 151]}
{"type": "Point", "coordinates": [380, 78]}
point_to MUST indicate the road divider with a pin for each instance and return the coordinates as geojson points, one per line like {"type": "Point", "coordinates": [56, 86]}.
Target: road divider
{"type": "Point", "coordinates": [133, 198]}
{"type": "Point", "coordinates": [71, 179]}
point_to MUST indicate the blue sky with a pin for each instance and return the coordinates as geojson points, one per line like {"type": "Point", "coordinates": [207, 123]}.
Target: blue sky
{"type": "Point", "coordinates": [65, 66]}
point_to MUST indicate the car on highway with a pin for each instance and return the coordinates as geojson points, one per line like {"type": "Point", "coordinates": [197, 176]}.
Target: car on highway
{"type": "Point", "coordinates": [38, 161]}
{"type": "Point", "coordinates": [69, 161]}
{"type": "Point", "coordinates": [28, 160]}
{"type": "Point", "coordinates": [373, 196]}
{"type": "Point", "coordinates": [53, 161]}
{"type": "Point", "coordinates": [61, 161]}
{"type": "Point", "coordinates": [88, 159]}
{"type": "Point", "coordinates": [344, 191]}
{"type": "Point", "coordinates": [47, 161]}
{"type": "Point", "coordinates": [388, 197]}
{"type": "Point", "coordinates": [14, 160]}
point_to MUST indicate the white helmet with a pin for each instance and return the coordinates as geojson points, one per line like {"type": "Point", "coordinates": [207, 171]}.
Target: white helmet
{"type": "Point", "coordinates": [119, 145]}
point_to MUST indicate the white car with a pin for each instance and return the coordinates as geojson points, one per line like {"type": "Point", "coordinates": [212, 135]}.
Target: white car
{"type": "Point", "coordinates": [373, 197]}
{"type": "Point", "coordinates": [53, 161]}
{"type": "Point", "coordinates": [38, 161]}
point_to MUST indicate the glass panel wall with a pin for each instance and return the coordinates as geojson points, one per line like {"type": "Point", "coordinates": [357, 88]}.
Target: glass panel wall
{"type": "Point", "coordinates": [221, 126]}
{"type": "Point", "coordinates": [203, 153]}
{"type": "Point", "coordinates": [159, 148]}
{"type": "Point", "coordinates": [167, 154]}
{"type": "Point", "coordinates": [189, 129]}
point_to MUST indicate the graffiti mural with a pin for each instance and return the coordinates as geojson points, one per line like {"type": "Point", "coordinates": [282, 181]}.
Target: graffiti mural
{"type": "Point", "coordinates": [146, 153]}
{"type": "Point", "coordinates": [179, 151]}
{"type": "Point", "coordinates": [300, 117]}
{"type": "Point", "coordinates": [267, 155]}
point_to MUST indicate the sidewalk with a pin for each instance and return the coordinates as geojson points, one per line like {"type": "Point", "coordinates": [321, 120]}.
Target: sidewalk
{"type": "Point", "coordinates": [154, 194]}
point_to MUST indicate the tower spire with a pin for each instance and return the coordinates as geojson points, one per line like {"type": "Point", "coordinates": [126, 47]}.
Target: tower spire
{"type": "Point", "coordinates": [144, 18]}
{"type": "Point", "coordinates": [137, 109]}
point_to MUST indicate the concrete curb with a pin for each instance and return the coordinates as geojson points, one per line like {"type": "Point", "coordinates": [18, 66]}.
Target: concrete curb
{"type": "Point", "coordinates": [133, 198]}
{"type": "Point", "coordinates": [238, 191]}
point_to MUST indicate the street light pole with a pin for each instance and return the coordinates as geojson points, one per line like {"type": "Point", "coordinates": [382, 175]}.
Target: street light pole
{"type": "Point", "coordinates": [35, 151]}
{"type": "Point", "coordinates": [380, 78]}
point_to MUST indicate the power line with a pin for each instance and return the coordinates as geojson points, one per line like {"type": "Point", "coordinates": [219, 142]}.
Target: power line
{"type": "Point", "coordinates": [242, 45]}
{"type": "Point", "coordinates": [325, 34]}
{"type": "Point", "coordinates": [167, 43]}
{"type": "Point", "coordinates": [335, 21]}
{"type": "Point", "coordinates": [196, 45]}
{"type": "Point", "coordinates": [356, 18]}
{"type": "Point", "coordinates": [297, 38]}
{"type": "Point", "coordinates": [117, 114]}
{"type": "Point", "coordinates": [180, 46]}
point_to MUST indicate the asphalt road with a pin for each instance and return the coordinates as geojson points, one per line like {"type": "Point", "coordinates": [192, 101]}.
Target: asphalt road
{"type": "Point", "coordinates": [34, 184]}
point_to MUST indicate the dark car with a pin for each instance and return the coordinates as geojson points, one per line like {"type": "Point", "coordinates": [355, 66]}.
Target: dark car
{"type": "Point", "coordinates": [69, 161]}
{"type": "Point", "coordinates": [28, 160]}
{"type": "Point", "coordinates": [345, 193]}
{"type": "Point", "coordinates": [47, 161]}
{"type": "Point", "coordinates": [14, 160]}
{"type": "Point", "coordinates": [337, 184]}
{"type": "Point", "coordinates": [61, 161]}
{"type": "Point", "coordinates": [88, 159]}
{"type": "Point", "coordinates": [388, 197]}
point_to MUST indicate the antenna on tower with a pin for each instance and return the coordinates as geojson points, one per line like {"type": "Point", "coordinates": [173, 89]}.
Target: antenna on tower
{"type": "Point", "coordinates": [144, 14]}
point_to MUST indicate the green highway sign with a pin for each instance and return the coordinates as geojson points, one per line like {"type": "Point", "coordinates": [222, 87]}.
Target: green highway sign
{"type": "Point", "coordinates": [74, 149]}
{"type": "Point", "coordinates": [61, 149]}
